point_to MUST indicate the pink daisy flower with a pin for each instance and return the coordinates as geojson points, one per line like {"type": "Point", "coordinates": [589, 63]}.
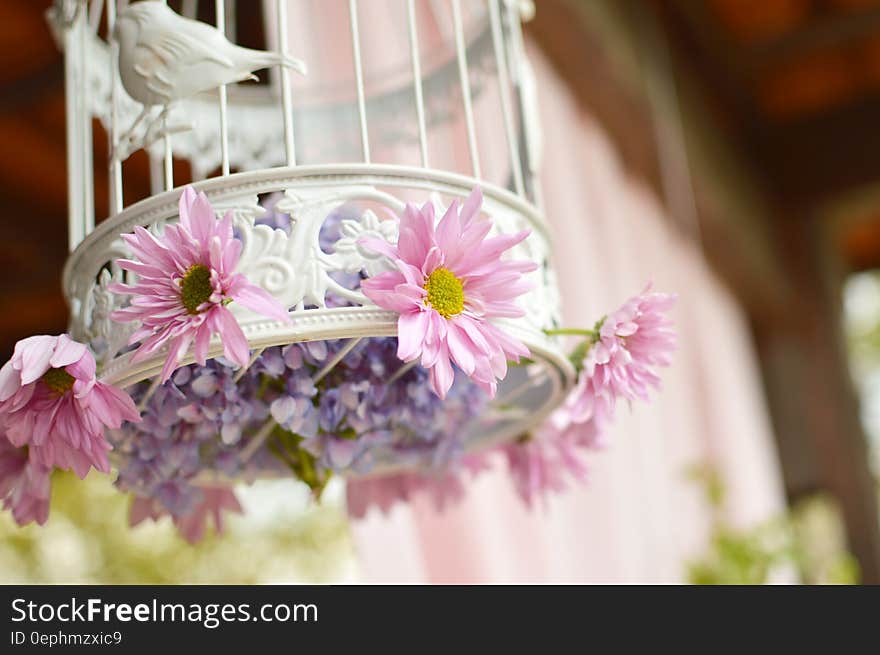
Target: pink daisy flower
{"type": "Point", "coordinates": [448, 284]}
{"type": "Point", "coordinates": [186, 279]}
{"type": "Point", "coordinates": [622, 355]}
{"type": "Point", "coordinates": [384, 492]}
{"type": "Point", "coordinates": [585, 415]}
{"type": "Point", "coordinates": [445, 489]}
{"type": "Point", "coordinates": [192, 526]}
{"type": "Point", "coordinates": [24, 484]}
{"type": "Point", "coordinates": [544, 462]}
{"type": "Point", "coordinates": [631, 343]}
{"type": "Point", "coordinates": [51, 402]}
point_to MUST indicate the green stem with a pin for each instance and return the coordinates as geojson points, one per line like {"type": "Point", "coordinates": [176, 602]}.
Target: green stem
{"type": "Point", "coordinates": [572, 331]}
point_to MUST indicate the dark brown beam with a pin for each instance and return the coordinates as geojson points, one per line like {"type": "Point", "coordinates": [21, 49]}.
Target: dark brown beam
{"type": "Point", "coordinates": [558, 28]}
{"type": "Point", "coordinates": [859, 240]}
{"type": "Point", "coordinates": [815, 158]}
{"type": "Point", "coordinates": [26, 46]}
{"type": "Point", "coordinates": [36, 175]}
{"type": "Point", "coordinates": [708, 48]}
{"type": "Point", "coordinates": [827, 31]}
{"type": "Point", "coordinates": [812, 400]}
{"type": "Point", "coordinates": [800, 161]}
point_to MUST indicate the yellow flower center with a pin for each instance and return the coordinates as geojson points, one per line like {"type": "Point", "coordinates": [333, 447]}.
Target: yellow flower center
{"type": "Point", "coordinates": [445, 292]}
{"type": "Point", "coordinates": [58, 380]}
{"type": "Point", "coordinates": [196, 288]}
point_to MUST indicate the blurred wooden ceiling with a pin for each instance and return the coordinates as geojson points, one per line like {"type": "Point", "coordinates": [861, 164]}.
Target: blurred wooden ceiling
{"type": "Point", "coordinates": [33, 183]}
{"type": "Point", "coordinates": [796, 82]}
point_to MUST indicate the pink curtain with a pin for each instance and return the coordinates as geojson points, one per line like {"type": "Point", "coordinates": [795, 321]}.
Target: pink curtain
{"type": "Point", "coordinates": [638, 520]}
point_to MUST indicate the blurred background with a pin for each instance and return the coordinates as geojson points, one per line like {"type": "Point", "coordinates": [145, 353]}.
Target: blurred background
{"type": "Point", "coordinates": [741, 143]}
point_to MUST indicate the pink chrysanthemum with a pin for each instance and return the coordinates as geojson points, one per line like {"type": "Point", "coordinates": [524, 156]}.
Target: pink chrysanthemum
{"type": "Point", "coordinates": [192, 526]}
{"type": "Point", "coordinates": [384, 492]}
{"type": "Point", "coordinates": [448, 285]}
{"type": "Point", "coordinates": [24, 484]}
{"type": "Point", "coordinates": [620, 362]}
{"type": "Point", "coordinates": [51, 402]}
{"type": "Point", "coordinates": [186, 279]}
{"type": "Point", "coordinates": [586, 413]}
{"type": "Point", "coordinates": [544, 462]}
{"type": "Point", "coordinates": [632, 342]}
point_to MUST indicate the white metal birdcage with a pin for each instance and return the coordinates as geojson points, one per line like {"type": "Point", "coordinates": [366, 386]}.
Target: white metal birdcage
{"type": "Point", "coordinates": [405, 100]}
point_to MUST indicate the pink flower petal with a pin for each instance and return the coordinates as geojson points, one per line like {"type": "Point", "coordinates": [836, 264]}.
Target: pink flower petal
{"type": "Point", "coordinates": [176, 350]}
{"type": "Point", "coordinates": [442, 375]}
{"type": "Point", "coordinates": [449, 229]}
{"type": "Point", "coordinates": [260, 301]}
{"type": "Point", "coordinates": [471, 207]}
{"type": "Point", "coordinates": [410, 332]}
{"type": "Point", "coordinates": [66, 352]}
{"type": "Point", "coordinates": [202, 341]}
{"type": "Point", "coordinates": [200, 215]}
{"type": "Point", "coordinates": [83, 369]}
{"type": "Point", "coordinates": [33, 355]}
{"type": "Point", "coordinates": [461, 348]}
{"type": "Point", "coordinates": [9, 381]}
{"type": "Point", "coordinates": [377, 245]}
{"type": "Point", "coordinates": [235, 344]}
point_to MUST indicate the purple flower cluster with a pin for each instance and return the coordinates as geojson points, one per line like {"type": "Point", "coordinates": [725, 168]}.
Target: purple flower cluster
{"type": "Point", "coordinates": [203, 422]}
{"type": "Point", "coordinates": [362, 419]}
{"type": "Point", "coordinates": [281, 417]}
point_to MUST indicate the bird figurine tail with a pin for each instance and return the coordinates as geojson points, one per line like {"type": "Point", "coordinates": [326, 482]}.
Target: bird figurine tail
{"type": "Point", "coordinates": [258, 59]}
{"type": "Point", "coordinates": [296, 64]}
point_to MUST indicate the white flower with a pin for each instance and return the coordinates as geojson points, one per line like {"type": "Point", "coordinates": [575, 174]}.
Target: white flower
{"type": "Point", "coordinates": [353, 257]}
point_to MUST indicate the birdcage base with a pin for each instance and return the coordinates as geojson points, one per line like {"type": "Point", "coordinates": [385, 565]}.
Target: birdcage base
{"type": "Point", "coordinates": [300, 230]}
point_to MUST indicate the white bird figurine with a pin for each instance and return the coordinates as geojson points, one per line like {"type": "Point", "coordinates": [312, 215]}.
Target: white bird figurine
{"type": "Point", "coordinates": [164, 57]}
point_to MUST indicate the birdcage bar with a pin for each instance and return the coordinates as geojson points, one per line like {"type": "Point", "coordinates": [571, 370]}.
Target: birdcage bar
{"type": "Point", "coordinates": [157, 179]}
{"type": "Point", "coordinates": [231, 22]}
{"type": "Point", "coordinates": [151, 391]}
{"type": "Point", "coordinates": [95, 10]}
{"type": "Point", "coordinates": [86, 118]}
{"type": "Point", "coordinates": [264, 432]}
{"type": "Point", "coordinates": [169, 156]}
{"type": "Point", "coordinates": [338, 357]}
{"type": "Point", "coordinates": [506, 109]}
{"type": "Point", "coordinates": [286, 97]}
{"type": "Point", "coordinates": [220, 6]}
{"type": "Point", "coordinates": [531, 381]}
{"type": "Point", "coordinates": [438, 12]}
{"type": "Point", "coordinates": [461, 56]}
{"type": "Point", "coordinates": [75, 227]}
{"type": "Point", "coordinates": [115, 164]}
{"type": "Point", "coordinates": [239, 374]}
{"type": "Point", "coordinates": [518, 68]}
{"type": "Point", "coordinates": [359, 78]}
{"type": "Point", "coordinates": [81, 218]}
{"type": "Point", "coordinates": [189, 8]}
{"type": "Point", "coordinates": [257, 440]}
{"type": "Point", "coordinates": [403, 370]}
{"type": "Point", "coordinates": [417, 81]}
